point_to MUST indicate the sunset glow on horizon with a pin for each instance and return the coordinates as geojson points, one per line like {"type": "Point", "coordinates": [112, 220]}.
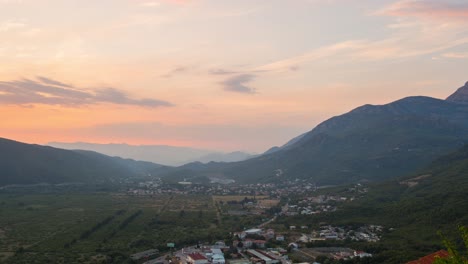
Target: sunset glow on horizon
{"type": "Point", "coordinates": [214, 74]}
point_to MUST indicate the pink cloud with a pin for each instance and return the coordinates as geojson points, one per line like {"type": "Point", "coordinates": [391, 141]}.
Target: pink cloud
{"type": "Point", "coordinates": [427, 9]}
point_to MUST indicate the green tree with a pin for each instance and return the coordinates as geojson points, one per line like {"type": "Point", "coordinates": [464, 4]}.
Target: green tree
{"type": "Point", "coordinates": [455, 257]}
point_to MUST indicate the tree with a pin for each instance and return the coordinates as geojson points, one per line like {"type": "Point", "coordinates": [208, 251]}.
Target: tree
{"type": "Point", "coordinates": [455, 257]}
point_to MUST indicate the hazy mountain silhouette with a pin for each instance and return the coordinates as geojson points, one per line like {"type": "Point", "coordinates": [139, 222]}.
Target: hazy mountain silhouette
{"type": "Point", "coordinates": [371, 142]}
{"type": "Point", "coordinates": [161, 154]}
{"type": "Point", "coordinates": [22, 163]}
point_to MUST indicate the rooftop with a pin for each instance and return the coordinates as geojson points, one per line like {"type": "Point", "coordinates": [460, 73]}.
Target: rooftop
{"type": "Point", "coordinates": [429, 259]}
{"type": "Point", "coordinates": [197, 256]}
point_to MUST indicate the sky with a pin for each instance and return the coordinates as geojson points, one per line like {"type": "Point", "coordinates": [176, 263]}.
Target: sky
{"type": "Point", "coordinates": [217, 74]}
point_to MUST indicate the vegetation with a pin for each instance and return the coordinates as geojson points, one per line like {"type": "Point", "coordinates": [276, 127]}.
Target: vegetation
{"type": "Point", "coordinates": [104, 227]}
{"type": "Point", "coordinates": [456, 256]}
{"type": "Point", "coordinates": [412, 210]}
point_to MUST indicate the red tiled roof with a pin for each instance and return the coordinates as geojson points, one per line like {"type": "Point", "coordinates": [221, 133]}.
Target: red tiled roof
{"type": "Point", "coordinates": [197, 256]}
{"type": "Point", "coordinates": [429, 259]}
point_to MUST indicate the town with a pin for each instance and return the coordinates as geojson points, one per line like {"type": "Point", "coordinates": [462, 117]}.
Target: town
{"type": "Point", "coordinates": [265, 243]}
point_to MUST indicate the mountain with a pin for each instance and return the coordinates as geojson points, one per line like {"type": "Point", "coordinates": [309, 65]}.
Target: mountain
{"type": "Point", "coordinates": [167, 155]}
{"type": "Point", "coordinates": [370, 143]}
{"type": "Point", "coordinates": [22, 163]}
{"type": "Point", "coordinates": [288, 144]}
{"type": "Point", "coordinates": [224, 157]}
{"type": "Point", "coordinates": [460, 96]}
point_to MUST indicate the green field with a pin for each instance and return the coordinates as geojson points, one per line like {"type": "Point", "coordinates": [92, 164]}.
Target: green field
{"type": "Point", "coordinates": [104, 227]}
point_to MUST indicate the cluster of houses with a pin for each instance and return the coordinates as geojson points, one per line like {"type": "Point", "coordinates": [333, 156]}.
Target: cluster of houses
{"type": "Point", "coordinates": [204, 255]}
{"type": "Point", "coordinates": [337, 253]}
{"type": "Point", "coordinates": [224, 187]}
{"type": "Point", "coordinates": [368, 233]}
{"type": "Point", "coordinates": [255, 238]}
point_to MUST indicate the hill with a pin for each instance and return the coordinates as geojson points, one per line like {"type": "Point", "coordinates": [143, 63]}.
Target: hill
{"type": "Point", "coordinates": [414, 208]}
{"type": "Point", "coordinates": [22, 163]}
{"type": "Point", "coordinates": [370, 143]}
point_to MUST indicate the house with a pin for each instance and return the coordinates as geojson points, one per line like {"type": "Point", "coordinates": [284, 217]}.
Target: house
{"type": "Point", "coordinates": [263, 257]}
{"type": "Point", "coordinates": [240, 235]}
{"type": "Point", "coordinates": [362, 254]}
{"type": "Point", "coordinates": [197, 258]}
{"type": "Point", "coordinates": [247, 243]}
{"type": "Point", "coordinates": [279, 238]}
{"type": "Point", "coordinates": [429, 259]}
{"type": "Point", "coordinates": [218, 259]}
{"type": "Point", "coordinates": [219, 244]}
{"type": "Point", "coordinates": [270, 234]}
{"type": "Point", "coordinates": [253, 231]}
{"type": "Point", "coordinates": [259, 243]}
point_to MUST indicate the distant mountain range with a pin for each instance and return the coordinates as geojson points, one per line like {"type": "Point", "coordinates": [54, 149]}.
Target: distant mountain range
{"type": "Point", "coordinates": [22, 163]}
{"type": "Point", "coordinates": [161, 154]}
{"type": "Point", "coordinates": [370, 143]}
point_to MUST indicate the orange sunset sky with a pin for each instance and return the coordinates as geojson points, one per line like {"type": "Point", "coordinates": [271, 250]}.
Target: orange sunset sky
{"type": "Point", "coordinates": [224, 75]}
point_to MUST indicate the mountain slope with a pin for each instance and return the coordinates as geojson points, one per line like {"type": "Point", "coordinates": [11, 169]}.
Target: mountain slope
{"type": "Point", "coordinates": [22, 163]}
{"type": "Point", "coordinates": [416, 207]}
{"type": "Point", "coordinates": [460, 96]}
{"type": "Point", "coordinates": [369, 143]}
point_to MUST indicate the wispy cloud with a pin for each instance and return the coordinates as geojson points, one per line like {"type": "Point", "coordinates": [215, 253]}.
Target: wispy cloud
{"type": "Point", "coordinates": [220, 71]}
{"type": "Point", "coordinates": [175, 71]}
{"type": "Point", "coordinates": [12, 25]}
{"type": "Point", "coordinates": [293, 63]}
{"type": "Point", "coordinates": [415, 31]}
{"type": "Point", "coordinates": [45, 90]}
{"type": "Point", "coordinates": [427, 9]}
{"type": "Point", "coordinates": [238, 83]}
{"type": "Point", "coordinates": [456, 55]}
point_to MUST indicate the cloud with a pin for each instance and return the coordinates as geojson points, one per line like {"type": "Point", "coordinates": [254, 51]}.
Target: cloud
{"type": "Point", "coordinates": [12, 25]}
{"type": "Point", "coordinates": [53, 82]}
{"type": "Point", "coordinates": [175, 71]}
{"type": "Point", "coordinates": [428, 9]}
{"type": "Point", "coordinates": [294, 63]}
{"type": "Point", "coordinates": [456, 55]}
{"type": "Point", "coordinates": [238, 84]}
{"type": "Point", "coordinates": [44, 90]}
{"type": "Point", "coordinates": [222, 72]}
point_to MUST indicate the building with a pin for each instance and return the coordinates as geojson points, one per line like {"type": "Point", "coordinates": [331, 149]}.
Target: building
{"type": "Point", "coordinates": [253, 231]}
{"type": "Point", "coordinates": [263, 257]}
{"type": "Point", "coordinates": [429, 259]}
{"type": "Point", "coordinates": [197, 258]}
{"type": "Point", "coordinates": [279, 238]}
{"type": "Point", "coordinates": [218, 259]}
{"type": "Point", "coordinates": [362, 254]}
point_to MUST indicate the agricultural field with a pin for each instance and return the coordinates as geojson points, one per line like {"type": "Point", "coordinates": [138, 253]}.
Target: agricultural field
{"type": "Point", "coordinates": [102, 227]}
{"type": "Point", "coordinates": [236, 198]}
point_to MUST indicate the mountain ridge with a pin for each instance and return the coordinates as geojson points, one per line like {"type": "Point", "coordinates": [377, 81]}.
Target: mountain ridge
{"type": "Point", "coordinates": [369, 143]}
{"type": "Point", "coordinates": [22, 163]}
{"type": "Point", "coordinates": [160, 154]}
{"type": "Point", "coordinates": [460, 96]}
